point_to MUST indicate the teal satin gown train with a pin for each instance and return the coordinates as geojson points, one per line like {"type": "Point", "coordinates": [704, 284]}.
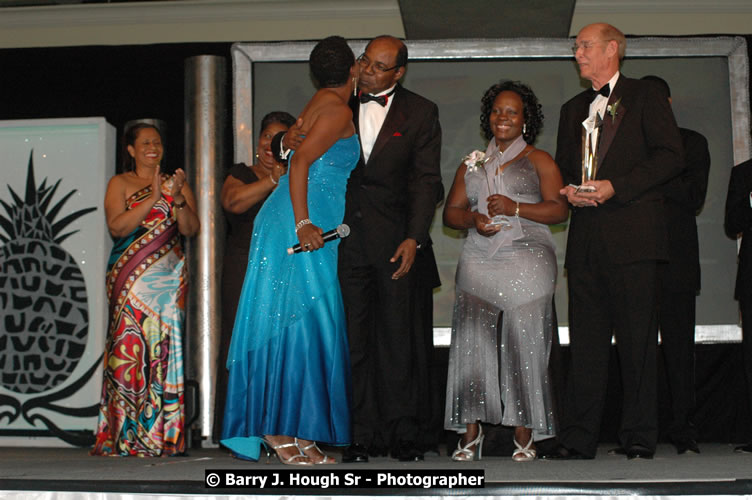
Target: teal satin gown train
{"type": "Point", "coordinates": [289, 366]}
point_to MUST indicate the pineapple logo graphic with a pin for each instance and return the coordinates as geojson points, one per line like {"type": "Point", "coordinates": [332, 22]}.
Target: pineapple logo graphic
{"type": "Point", "coordinates": [44, 318]}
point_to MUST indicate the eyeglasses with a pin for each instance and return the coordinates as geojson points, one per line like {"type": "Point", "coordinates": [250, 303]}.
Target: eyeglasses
{"type": "Point", "coordinates": [377, 66]}
{"type": "Point", "coordinates": [585, 45]}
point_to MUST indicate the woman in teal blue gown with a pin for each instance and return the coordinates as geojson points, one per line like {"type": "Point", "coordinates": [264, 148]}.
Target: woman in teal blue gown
{"type": "Point", "coordinates": [289, 367]}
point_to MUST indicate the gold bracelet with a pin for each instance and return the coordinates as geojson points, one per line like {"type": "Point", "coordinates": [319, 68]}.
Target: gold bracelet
{"type": "Point", "coordinates": [178, 206]}
{"type": "Point", "coordinates": [517, 210]}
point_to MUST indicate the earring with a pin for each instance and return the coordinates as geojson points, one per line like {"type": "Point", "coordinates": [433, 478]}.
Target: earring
{"type": "Point", "coordinates": [524, 128]}
{"type": "Point", "coordinates": [256, 155]}
{"type": "Point", "coordinates": [355, 86]}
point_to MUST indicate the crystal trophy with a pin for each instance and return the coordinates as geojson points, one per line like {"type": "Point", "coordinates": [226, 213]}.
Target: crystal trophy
{"type": "Point", "coordinates": [500, 220]}
{"type": "Point", "coordinates": [591, 131]}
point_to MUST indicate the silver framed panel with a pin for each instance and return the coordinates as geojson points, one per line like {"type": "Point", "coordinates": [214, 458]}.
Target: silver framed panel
{"type": "Point", "coordinates": [734, 49]}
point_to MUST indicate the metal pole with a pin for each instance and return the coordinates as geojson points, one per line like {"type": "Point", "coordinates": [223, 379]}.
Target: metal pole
{"type": "Point", "coordinates": [205, 87]}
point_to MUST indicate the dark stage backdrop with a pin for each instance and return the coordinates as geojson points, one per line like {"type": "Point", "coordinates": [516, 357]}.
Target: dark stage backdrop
{"type": "Point", "coordinates": [120, 83]}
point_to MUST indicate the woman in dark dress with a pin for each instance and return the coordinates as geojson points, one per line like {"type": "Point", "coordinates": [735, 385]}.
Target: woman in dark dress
{"type": "Point", "coordinates": [244, 191]}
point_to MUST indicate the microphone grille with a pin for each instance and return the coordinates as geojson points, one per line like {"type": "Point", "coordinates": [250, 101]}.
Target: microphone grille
{"type": "Point", "coordinates": [343, 230]}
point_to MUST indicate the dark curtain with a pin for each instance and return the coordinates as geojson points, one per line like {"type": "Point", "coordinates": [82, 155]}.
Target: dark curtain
{"type": "Point", "coordinates": [120, 83]}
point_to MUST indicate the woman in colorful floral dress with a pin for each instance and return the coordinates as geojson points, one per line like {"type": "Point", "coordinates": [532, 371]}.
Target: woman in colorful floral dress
{"type": "Point", "coordinates": [141, 410]}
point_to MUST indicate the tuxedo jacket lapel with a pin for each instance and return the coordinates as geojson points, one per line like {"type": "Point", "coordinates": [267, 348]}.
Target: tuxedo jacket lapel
{"type": "Point", "coordinates": [393, 121]}
{"type": "Point", "coordinates": [355, 107]}
{"type": "Point", "coordinates": [611, 123]}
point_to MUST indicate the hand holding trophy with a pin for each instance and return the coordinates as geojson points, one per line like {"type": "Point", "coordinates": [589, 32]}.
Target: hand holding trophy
{"type": "Point", "coordinates": [476, 161]}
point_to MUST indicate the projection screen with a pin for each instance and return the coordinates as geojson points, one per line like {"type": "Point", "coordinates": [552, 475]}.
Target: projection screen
{"type": "Point", "coordinates": [709, 79]}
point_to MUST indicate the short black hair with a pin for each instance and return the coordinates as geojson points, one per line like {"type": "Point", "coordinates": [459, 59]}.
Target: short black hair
{"type": "Point", "coordinates": [129, 139]}
{"type": "Point", "coordinates": [532, 111]}
{"type": "Point", "coordinates": [401, 60]}
{"type": "Point", "coordinates": [663, 84]}
{"type": "Point", "coordinates": [282, 117]}
{"type": "Point", "coordinates": [330, 62]}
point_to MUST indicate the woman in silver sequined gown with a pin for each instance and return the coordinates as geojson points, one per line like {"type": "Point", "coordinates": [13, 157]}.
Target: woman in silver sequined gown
{"type": "Point", "coordinates": [498, 368]}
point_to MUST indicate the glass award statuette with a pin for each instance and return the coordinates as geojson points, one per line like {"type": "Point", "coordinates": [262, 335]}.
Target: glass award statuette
{"type": "Point", "coordinates": [591, 131]}
{"type": "Point", "coordinates": [500, 221]}
{"type": "Point", "coordinates": [476, 161]}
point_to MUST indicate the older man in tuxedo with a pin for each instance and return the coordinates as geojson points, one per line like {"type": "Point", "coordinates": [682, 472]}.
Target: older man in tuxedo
{"type": "Point", "coordinates": [739, 222]}
{"type": "Point", "coordinates": [617, 240]}
{"type": "Point", "coordinates": [387, 268]}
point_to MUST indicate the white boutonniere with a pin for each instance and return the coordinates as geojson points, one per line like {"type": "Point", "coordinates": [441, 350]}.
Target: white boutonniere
{"type": "Point", "coordinates": [474, 160]}
{"type": "Point", "coordinates": [613, 110]}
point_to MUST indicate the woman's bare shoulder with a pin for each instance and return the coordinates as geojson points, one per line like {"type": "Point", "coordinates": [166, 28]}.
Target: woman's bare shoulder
{"type": "Point", "coordinates": [327, 105]}
{"type": "Point", "coordinates": [325, 99]}
{"type": "Point", "coordinates": [119, 180]}
{"type": "Point", "coordinates": [538, 156]}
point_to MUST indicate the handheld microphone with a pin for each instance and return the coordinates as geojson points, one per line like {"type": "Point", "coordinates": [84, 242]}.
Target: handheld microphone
{"type": "Point", "coordinates": [341, 231]}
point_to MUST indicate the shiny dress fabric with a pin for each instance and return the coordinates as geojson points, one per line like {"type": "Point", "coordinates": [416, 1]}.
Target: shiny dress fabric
{"type": "Point", "coordinates": [289, 366]}
{"type": "Point", "coordinates": [237, 247]}
{"type": "Point", "coordinates": [141, 411]}
{"type": "Point", "coordinates": [501, 375]}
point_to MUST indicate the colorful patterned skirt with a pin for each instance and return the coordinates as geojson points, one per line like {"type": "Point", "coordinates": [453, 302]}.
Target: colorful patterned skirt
{"type": "Point", "coordinates": [141, 408]}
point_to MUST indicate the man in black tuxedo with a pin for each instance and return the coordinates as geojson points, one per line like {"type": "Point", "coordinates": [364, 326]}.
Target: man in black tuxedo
{"type": "Point", "coordinates": [617, 237]}
{"type": "Point", "coordinates": [739, 221]}
{"type": "Point", "coordinates": [387, 268]}
{"type": "Point", "coordinates": [684, 196]}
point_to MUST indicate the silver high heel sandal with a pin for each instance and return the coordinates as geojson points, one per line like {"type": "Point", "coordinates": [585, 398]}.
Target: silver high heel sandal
{"type": "Point", "coordinates": [526, 454]}
{"type": "Point", "coordinates": [293, 460]}
{"type": "Point", "coordinates": [325, 460]}
{"type": "Point", "coordinates": [465, 454]}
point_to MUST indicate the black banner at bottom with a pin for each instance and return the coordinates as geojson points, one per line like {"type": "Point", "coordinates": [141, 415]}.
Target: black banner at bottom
{"type": "Point", "coordinates": [345, 478]}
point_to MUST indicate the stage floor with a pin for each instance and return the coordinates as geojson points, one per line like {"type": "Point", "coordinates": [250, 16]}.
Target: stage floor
{"type": "Point", "coordinates": [717, 470]}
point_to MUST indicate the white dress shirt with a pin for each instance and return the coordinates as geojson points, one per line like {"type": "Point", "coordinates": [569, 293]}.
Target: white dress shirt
{"type": "Point", "coordinates": [370, 119]}
{"type": "Point", "coordinates": [600, 102]}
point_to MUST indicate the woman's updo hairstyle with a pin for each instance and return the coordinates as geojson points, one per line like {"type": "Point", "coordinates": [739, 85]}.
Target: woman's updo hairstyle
{"type": "Point", "coordinates": [330, 62]}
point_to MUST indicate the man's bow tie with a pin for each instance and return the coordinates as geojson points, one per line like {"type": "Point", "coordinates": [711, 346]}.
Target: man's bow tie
{"type": "Point", "coordinates": [381, 99]}
{"type": "Point", "coordinates": [604, 91]}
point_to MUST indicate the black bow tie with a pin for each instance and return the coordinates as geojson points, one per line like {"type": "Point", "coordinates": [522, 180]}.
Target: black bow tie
{"type": "Point", "coordinates": [604, 91]}
{"type": "Point", "coordinates": [381, 99]}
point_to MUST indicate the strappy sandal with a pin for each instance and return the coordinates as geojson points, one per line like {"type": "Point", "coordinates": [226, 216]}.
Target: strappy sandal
{"type": "Point", "coordinates": [299, 459]}
{"type": "Point", "coordinates": [325, 460]}
{"type": "Point", "coordinates": [465, 454]}
{"type": "Point", "coordinates": [526, 454]}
